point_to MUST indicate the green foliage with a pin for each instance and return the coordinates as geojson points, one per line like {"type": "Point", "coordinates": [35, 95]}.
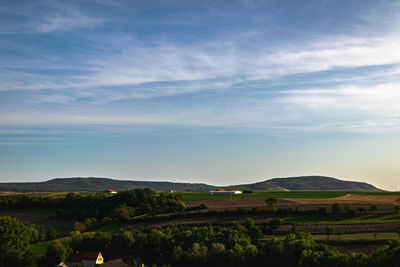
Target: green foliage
{"type": "Point", "coordinates": [336, 208]}
{"type": "Point", "coordinates": [329, 231]}
{"type": "Point", "coordinates": [272, 202]}
{"type": "Point", "coordinates": [51, 234]}
{"type": "Point", "coordinates": [271, 226]}
{"type": "Point", "coordinates": [90, 209]}
{"type": "Point", "coordinates": [397, 209]}
{"type": "Point", "coordinates": [37, 233]}
{"type": "Point", "coordinates": [56, 253]}
{"type": "Point", "coordinates": [14, 242]}
{"type": "Point", "coordinates": [222, 246]}
{"type": "Point", "coordinates": [373, 208]}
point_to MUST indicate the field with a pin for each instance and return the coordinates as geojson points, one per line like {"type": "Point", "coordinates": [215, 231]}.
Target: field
{"type": "Point", "coordinates": [282, 194]}
{"type": "Point", "coordinates": [42, 217]}
{"type": "Point", "coordinates": [255, 195]}
{"type": "Point", "coordinates": [368, 225]}
{"type": "Point", "coordinates": [41, 248]}
{"type": "Point", "coordinates": [295, 200]}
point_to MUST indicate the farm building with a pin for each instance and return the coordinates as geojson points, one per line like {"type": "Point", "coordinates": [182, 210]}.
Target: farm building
{"type": "Point", "coordinates": [222, 192]}
{"type": "Point", "coordinates": [89, 259]}
{"type": "Point", "coordinates": [110, 191]}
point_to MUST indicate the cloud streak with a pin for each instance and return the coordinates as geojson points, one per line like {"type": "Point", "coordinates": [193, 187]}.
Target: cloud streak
{"type": "Point", "coordinates": [236, 79]}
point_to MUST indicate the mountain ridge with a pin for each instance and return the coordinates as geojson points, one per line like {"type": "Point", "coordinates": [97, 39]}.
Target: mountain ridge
{"type": "Point", "coordinates": [98, 184]}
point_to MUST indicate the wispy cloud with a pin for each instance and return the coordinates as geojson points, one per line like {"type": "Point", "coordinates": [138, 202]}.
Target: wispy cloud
{"type": "Point", "coordinates": [45, 17]}
{"type": "Point", "coordinates": [66, 21]}
{"type": "Point", "coordinates": [127, 80]}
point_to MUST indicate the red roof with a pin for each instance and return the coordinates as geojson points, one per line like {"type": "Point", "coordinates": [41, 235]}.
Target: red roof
{"type": "Point", "coordinates": [90, 256]}
{"type": "Point", "coordinates": [110, 190]}
{"type": "Point", "coordinates": [78, 257]}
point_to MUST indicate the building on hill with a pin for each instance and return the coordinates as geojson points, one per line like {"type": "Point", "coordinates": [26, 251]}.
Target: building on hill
{"type": "Point", "coordinates": [110, 191]}
{"type": "Point", "coordinates": [223, 192]}
{"type": "Point", "coordinates": [87, 259]}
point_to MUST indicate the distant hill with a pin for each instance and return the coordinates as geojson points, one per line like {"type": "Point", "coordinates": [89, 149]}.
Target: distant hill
{"type": "Point", "coordinates": [93, 184]}
{"type": "Point", "coordinates": [321, 183]}
{"type": "Point", "coordinates": [264, 185]}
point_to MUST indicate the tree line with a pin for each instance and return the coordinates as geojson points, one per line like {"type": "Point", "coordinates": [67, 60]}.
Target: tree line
{"type": "Point", "coordinates": [123, 205]}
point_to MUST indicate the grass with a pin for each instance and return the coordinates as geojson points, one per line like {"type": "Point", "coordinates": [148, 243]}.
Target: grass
{"type": "Point", "coordinates": [41, 248]}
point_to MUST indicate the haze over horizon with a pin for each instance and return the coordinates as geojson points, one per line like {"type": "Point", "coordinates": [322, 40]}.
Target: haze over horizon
{"type": "Point", "coordinates": [216, 92]}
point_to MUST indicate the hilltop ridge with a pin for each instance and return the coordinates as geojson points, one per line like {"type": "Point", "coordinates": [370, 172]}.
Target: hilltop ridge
{"type": "Point", "coordinates": [96, 184]}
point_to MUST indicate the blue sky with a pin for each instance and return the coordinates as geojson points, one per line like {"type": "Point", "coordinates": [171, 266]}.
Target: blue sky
{"type": "Point", "coordinates": [220, 92]}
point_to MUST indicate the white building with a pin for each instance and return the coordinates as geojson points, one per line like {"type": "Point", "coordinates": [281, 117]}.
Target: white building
{"type": "Point", "coordinates": [223, 192]}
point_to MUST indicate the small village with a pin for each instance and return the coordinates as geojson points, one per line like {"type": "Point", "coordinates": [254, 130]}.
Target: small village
{"type": "Point", "coordinates": [94, 259]}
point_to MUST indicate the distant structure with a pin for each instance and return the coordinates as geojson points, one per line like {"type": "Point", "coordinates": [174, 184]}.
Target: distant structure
{"type": "Point", "coordinates": [89, 259]}
{"type": "Point", "coordinates": [223, 192]}
{"type": "Point", "coordinates": [110, 191]}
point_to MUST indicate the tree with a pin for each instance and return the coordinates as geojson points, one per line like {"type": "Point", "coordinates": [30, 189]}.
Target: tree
{"type": "Point", "coordinates": [397, 209]}
{"type": "Point", "coordinates": [336, 208]}
{"type": "Point", "coordinates": [272, 202]}
{"type": "Point", "coordinates": [373, 208]}
{"type": "Point", "coordinates": [397, 230]}
{"type": "Point", "coordinates": [274, 224]}
{"type": "Point", "coordinates": [361, 210]}
{"type": "Point", "coordinates": [329, 232]}
{"type": "Point", "coordinates": [51, 234]}
{"type": "Point", "coordinates": [15, 237]}
{"type": "Point", "coordinates": [56, 253]}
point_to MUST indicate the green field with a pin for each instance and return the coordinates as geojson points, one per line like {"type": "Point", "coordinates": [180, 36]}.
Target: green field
{"type": "Point", "coordinates": [293, 194]}
{"type": "Point", "coordinates": [41, 248]}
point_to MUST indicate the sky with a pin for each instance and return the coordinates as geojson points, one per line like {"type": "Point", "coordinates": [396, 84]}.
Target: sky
{"type": "Point", "coordinates": [218, 92]}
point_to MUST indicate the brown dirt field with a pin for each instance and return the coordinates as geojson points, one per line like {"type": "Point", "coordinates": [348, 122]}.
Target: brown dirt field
{"type": "Point", "coordinates": [25, 216]}
{"type": "Point", "coordinates": [384, 203]}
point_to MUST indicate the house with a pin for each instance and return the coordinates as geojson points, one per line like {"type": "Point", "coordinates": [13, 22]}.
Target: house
{"type": "Point", "coordinates": [110, 191]}
{"type": "Point", "coordinates": [223, 192]}
{"type": "Point", "coordinates": [89, 259]}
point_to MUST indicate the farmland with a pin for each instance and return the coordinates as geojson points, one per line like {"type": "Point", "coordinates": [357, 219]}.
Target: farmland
{"type": "Point", "coordinates": [104, 216]}
{"type": "Point", "coordinates": [278, 194]}
{"type": "Point", "coordinates": [196, 196]}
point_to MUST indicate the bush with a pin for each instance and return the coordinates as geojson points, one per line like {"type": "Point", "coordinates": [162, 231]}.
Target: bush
{"type": "Point", "coordinates": [51, 234]}
{"type": "Point", "coordinates": [336, 208]}
{"type": "Point", "coordinates": [14, 241]}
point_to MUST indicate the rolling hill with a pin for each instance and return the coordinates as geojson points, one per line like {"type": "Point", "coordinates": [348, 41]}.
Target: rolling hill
{"type": "Point", "coordinates": [93, 184]}
{"type": "Point", "coordinates": [320, 183]}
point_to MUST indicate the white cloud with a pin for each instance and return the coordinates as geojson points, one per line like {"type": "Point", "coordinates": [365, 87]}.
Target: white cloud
{"type": "Point", "coordinates": [67, 20]}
